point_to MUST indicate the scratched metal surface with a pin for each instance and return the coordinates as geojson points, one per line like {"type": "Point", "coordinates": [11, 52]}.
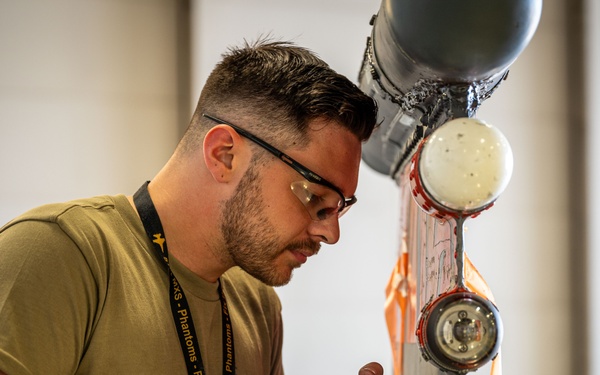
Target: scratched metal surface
{"type": "Point", "coordinates": [430, 244]}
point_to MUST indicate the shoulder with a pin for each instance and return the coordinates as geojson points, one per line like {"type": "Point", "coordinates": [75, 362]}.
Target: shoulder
{"type": "Point", "coordinates": [55, 275]}
{"type": "Point", "coordinates": [74, 219]}
{"type": "Point", "coordinates": [62, 214]}
{"type": "Point", "coordinates": [50, 223]}
{"type": "Point", "coordinates": [58, 212]}
{"type": "Point", "coordinates": [79, 233]}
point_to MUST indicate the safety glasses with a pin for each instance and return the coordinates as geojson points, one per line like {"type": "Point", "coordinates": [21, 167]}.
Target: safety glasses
{"type": "Point", "coordinates": [321, 198]}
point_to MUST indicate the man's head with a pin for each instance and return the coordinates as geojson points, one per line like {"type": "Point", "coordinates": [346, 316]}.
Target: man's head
{"type": "Point", "coordinates": [268, 227]}
{"type": "Point", "coordinates": [278, 88]}
{"type": "Point", "coordinates": [278, 105]}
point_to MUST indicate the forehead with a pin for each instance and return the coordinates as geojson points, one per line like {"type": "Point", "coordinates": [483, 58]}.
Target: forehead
{"type": "Point", "coordinates": [332, 152]}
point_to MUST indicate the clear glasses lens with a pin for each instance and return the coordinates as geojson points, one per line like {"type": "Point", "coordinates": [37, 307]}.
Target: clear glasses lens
{"type": "Point", "coordinates": [320, 201]}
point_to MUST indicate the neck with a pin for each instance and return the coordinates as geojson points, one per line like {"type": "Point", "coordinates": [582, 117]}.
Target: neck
{"type": "Point", "coordinates": [192, 239]}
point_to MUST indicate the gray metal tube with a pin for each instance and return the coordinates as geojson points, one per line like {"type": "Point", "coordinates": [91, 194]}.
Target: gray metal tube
{"type": "Point", "coordinates": [428, 61]}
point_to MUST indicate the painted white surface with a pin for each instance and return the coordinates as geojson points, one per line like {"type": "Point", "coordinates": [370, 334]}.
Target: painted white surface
{"type": "Point", "coordinates": [88, 99]}
{"type": "Point", "coordinates": [466, 164]}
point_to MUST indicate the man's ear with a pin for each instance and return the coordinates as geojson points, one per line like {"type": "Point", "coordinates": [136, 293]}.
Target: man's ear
{"type": "Point", "coordinates": [221, 152]}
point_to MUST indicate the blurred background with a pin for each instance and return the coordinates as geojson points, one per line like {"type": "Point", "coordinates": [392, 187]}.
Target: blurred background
{"type": "Point", "coordinates": [95, 94]}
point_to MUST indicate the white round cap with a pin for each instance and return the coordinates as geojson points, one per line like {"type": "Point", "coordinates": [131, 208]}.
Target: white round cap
{"type": "Point", "coordinates": [465, 164]}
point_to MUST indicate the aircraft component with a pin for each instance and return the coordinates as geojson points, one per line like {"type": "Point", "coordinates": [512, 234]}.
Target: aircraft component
{"type": "Point", "coordinates": [427, 62]}
{"type": "Point", "coordinates": [460, 331]}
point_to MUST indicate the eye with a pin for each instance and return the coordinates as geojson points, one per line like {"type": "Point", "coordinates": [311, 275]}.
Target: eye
{"type": "Point", "coordinates": [314, 201]}
{"type": "Point", "coordinates": [325, 212]}
{"type": "Point", "coordinates": [323, 206]}
{"type": "Point", "coordinates": [303, 194]}
{"type": "Point", "coordinates": [320, 201]}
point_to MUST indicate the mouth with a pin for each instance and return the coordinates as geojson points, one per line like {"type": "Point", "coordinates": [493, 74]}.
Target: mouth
{"type": "Point", "coordinates": [301, 255]}
{"type": "Point", "coordinates": [303, 251]}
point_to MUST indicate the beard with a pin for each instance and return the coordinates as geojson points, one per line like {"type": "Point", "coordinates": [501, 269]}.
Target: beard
{"type": "Point", "coordinates": [250, 238]}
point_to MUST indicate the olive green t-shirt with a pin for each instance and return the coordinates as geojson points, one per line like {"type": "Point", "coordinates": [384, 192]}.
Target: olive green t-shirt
{"type": "Point", "coordinates": [82, 292]}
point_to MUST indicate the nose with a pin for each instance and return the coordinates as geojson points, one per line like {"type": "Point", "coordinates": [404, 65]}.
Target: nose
{"type": "Point", "coordinates": [326, 231]}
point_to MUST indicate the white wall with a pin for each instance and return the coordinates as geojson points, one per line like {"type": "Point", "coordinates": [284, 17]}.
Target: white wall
{"type": "Point", "coordinates": [88, 100]}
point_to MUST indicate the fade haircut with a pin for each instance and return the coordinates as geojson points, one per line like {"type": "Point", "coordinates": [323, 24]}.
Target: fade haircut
{"type": "Point", "coordinates": [275, 89]}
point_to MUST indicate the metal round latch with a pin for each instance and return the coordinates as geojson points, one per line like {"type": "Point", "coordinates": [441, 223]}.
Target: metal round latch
{"type": "Point", "coordinates": [460, 331]}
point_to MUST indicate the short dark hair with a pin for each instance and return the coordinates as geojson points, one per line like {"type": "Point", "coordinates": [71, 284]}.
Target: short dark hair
{"type": "Point", "coordinates": [283, 87]}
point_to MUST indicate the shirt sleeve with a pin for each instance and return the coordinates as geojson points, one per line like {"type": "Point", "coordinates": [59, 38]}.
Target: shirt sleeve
{"type": "Point", "coordinates": [48, 300]}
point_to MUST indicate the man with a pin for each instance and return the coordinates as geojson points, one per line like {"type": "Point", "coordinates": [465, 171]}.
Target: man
{"type": "Point", "coordinates": [177, 278]}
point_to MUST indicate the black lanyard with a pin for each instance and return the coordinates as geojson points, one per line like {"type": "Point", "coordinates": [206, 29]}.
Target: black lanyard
{"type": "Point", "coordinates": [179, 305]}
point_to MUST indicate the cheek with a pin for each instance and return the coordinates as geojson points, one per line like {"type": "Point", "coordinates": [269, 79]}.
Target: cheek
{"type": "Point", "coordinates": [280, 202]}
{"type": "Point", "coordinates": [281, 207]}
{"type": "Point", "coordinates": [287, 214]}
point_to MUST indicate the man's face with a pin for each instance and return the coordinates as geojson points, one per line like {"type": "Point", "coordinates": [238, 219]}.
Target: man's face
{"type": "Point", "coordinates": [266, 229]}
{"type": "Point", "coordinates": [252, 240]}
